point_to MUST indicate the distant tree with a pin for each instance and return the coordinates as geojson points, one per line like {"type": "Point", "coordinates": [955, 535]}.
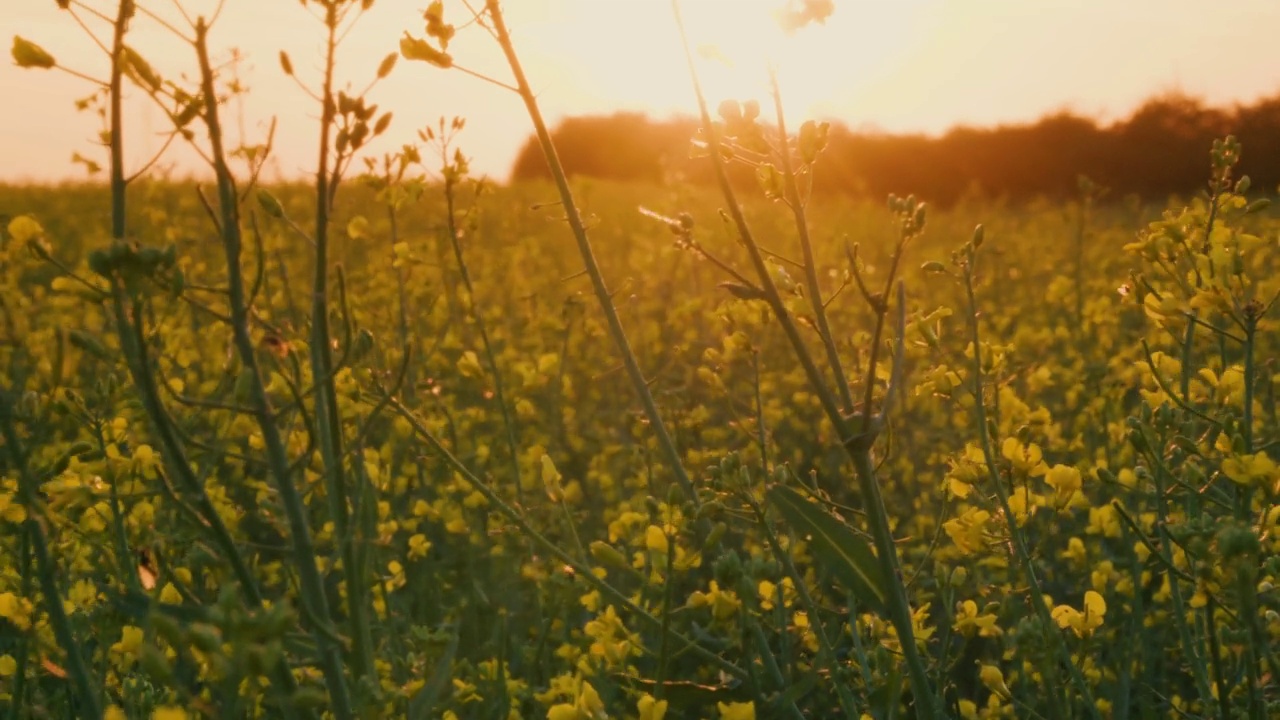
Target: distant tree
{"type": "Point", "coordinates": [623, 146]}
{"type": "Point", "coordinates": [1156, 151]}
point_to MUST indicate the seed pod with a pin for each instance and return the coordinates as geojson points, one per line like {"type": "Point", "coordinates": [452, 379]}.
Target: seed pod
{"type": "Point", "coordinates": [387, 65]}
{"type": "Point", "coordinates": [205, 638]}
{"type": "Point", "coordinates": [155, 664]}
{"type": "Point", "coordinates": [1258, 205]}
{"type": "Point", "coordinates": [607, 555]}
{"type": "Point", "coordinates": [270, 205]}
{"type": "Point", "coordinates": [713, 538]}
{"type": "Point", "coordinates": [89, 344]}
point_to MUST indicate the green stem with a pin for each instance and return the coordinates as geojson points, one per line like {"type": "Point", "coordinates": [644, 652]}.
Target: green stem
{"type": "Point", "coordinates": [313, 599]}
{"type": "Point", "coordinates": [116, 101]}
{"type": "Point", "coordinates": [614, 323]}
{"type": "Point", "coordinates": [499, 390]}
{"type": "Point", "coordinates": [46, 572]}
{"type": "Point", "coordinates": [1019, 543]}
{"type": "Point", "coordinates": [858, 447]}
{"type": "Point", "coordinates": [581, 569]}
{"type": "Point", "coordinates": [328, 415]}
{"type": "Point", "coordinates": [812, 288]}
{"type": "Point", "coordinates": [826, 654]}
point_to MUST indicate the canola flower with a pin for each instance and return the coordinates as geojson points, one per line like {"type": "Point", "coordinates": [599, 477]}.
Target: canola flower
{"type": "Point", "coordinates": [1121, 445]}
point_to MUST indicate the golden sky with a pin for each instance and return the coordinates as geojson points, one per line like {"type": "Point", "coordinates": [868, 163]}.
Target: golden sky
{"type": "Point", "coordinates": [897, 65]}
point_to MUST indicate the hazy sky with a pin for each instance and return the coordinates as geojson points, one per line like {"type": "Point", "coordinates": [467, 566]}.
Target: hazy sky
{"type": "Point", "coordinates": [899, 65]}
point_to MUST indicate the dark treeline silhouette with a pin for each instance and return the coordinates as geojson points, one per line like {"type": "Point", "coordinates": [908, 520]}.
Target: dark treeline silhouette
{"type": "Point", "coordinates": [1159, 150]}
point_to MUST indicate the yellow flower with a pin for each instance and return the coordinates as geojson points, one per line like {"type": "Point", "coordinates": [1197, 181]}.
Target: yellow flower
{"type": "Point", "coordinates": [131, 638]}
{"type": "Point", "coordinates": [23, 228]}
{"type": "Point", "coordinates": [397, 579]}
{"type": "Point", "coordinates": [16, 610]}
{"type": "Point", "coordinates": [11, 511]}
{"type": "Point", "coordinates": [551, 479]}
{"type": "Point", "coordinates": [655, 540]}
{"type": "Point", "coordinates": [145, 458]}
{"type": "Point", "coordinates": [1023, 503]}
{"type": "Point", "coordinates": [170, 595]}
{"type": "Point", "coordinates": [1075, 551]}
{"type": "Point", "coordinates": [1026, 459]}
{"type": "Point", "coordinates": [769, 593]}
{"type": "Point", "coordinates": [8, 666]}
{"type": "Point", "coordinates": [651, 709]}
{"type": "Point", "coordinates": [611, 641]}
{"type": "Point", "coordinates": [737, 710]}
{"type": "Point", "coordinates": [1066, 482]}
{"type": "Point", "coordinates": [1254, 469]}
{"type": "Point", "coordinates": [969, 621]}
{"type": "Point", "coordinates": [562, 711]}
{"type": "Point", "coordinates": [1083, 623]}
{"type": "Point", "coordinates": [807, 635]}
{"type": "Point", "coordinates": [589, 702]}
{"type": "Point", "coordinates": [967, 530]}
{"type": "Point", "coordinates": [169, 712]}
{"type": "Point", "coordinates": [723, 603]}
{"type": "Point", "coordinates": [419, 546]}
{"type": "Point", "coordinates": [994, 680]}
{"type": "Point", "coordinates": [1104, 521]}
{"type": "Point", "coordinates": [469, 365]}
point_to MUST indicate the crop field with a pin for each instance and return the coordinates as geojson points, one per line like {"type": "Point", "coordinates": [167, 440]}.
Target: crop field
{"type": "Point", "coordinates": [401, 443]}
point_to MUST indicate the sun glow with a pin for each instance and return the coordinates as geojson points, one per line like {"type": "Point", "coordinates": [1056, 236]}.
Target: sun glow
{"type": "Point", "coordinates": [640, 63]}
{"type": "Point", "coordinates": [905, 66]}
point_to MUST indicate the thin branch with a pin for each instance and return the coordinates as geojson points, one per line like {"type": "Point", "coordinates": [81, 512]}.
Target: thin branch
{"type": "Point", "coordinates": [164, 23]}
{"type": "Point", "coordinates": [88, 31]}
{"type": "Point", "coordinates": [154, 158]}
{"type": "Point", "coordinates": [486, 78]}
{"type": "Point", "coordinates": [82, 76]}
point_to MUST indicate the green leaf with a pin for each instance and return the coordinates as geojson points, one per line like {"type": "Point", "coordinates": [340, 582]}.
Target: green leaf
{"type": "Point", "coordinates": [270, 205]}
{"type": "Point", "coordinates": [743, 292]}
{"type": "Point", "coordinates": [812, 140]}
{"type": "Point", "coordinates": [424, 702]}
{"type": "Point", "coordinates": [388, 64]}
{"type": "Point", "coordinates": [835, 545]}
{"type": "Point", "coordinates": [30, 55]}
{"type": "Point", "coordinates": [417, 49]}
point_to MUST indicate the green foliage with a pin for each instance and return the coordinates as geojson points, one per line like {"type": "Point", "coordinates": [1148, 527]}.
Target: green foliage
{"type": "Point", "coordinates": [836, 546]}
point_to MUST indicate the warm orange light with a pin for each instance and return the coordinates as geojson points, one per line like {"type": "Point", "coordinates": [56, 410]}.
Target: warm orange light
{"type": "Point", "coordinates": [903, 65]}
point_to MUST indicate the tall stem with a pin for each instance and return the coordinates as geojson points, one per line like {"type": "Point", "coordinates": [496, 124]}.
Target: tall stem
{"type": "Point", "coordinates": [116, 102]}
{"type": "Point", "coordinates": [499, 389]}
{"type": "Point", "coordinates": [1020, 551]}
{"type": "Point", "coordinates": [812, 288]}
{"type": "Point", "coordinates": [46, 571]}
{"type": "Point", "coordinates": [313, 599]}
{"type": "Point", "coordinates": [616, 330]}
{"type": "Point", "coordinates": [328, 415]}
{"type": "Point", "coordinates": [857, 446]}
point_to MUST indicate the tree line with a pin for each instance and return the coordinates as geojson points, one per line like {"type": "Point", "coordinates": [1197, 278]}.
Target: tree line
{"type": "Point", "coordinates": [1157, 151]}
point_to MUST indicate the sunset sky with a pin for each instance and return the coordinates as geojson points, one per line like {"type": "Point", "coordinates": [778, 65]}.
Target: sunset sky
{"type": "Point", "coordinates": [900, 65]}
